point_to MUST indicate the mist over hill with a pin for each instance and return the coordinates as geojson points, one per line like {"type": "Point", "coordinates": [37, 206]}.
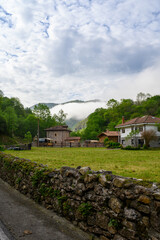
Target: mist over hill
{"type": "Point", "coordinates": [76, 110]}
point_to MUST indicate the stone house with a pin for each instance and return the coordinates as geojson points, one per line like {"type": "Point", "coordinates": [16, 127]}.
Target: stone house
{"type": "Point", "coordinates": [112, 136]}
{"type": "Point", "coordinates": [58, 134]}
{"type": "Point", "coordinates": [138, 125]}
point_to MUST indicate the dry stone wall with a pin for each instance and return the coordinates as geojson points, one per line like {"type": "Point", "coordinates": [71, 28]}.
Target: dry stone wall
{"type": "Point", "coordinates": [106, 206]}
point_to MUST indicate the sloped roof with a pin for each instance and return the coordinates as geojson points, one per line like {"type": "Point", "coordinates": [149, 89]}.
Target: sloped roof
{"type": "Point", "coordinates": [58, 128]}
{"type": "Point", "coordinates": [140, 120]}
{"type": "Point", "coordinates": [109, 133]}
{"type": "Point", "coordinates": [72, 138]}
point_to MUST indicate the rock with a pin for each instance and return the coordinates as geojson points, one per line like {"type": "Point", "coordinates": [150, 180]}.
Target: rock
{"type": "Point", "coordinates": [119, 182]}
{"type": "Point", "coordinates": [102, 221]}
{"type": "Point", "coordinates": [129, 234]}
{"type": "Point", "coordinates": [143, 208]}
{"type": "Point", "coordinates": [118, 237]}
{"type": "Point", "coordinates": [90, 178]}
{"type": "Point", "coordinates": [144, 199]}
{"type": "Point", "coordinates": [71, 173]}
{"type": "Point", "coordinates": [91, 220]}
{"type": "Point", "coordinates": [145, 221]}
{"type": "Point", "coordinates": [102, 180]}
{"type": "Point", "coordinates": [112, 229]}
{"type": "Point", "coordinates": [84, 170]}
{"type": "Point", "coordinates": [103, 238]}
{"type": "Point", "coordinates": [156, 195]}
{"type": "Point", "coordinates": [129, 225]}
{"type": "Point", "coordinates": [115, 204]}
{"type": "Point", "coordinates": [129, 194]}
{"type": "Point", "coordinates": [27, 232]}
{"type": "Point", "coordinates": [131, 214]}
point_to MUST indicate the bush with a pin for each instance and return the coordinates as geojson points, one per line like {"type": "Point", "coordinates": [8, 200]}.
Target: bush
{"type": "Point", "coordinates": [106, 140]}
{"type": "Point", "coordinates": [145, 146]}
{"type": "Point", "coordinates": [131, 148]}
{"type": "Point", "coordinates": [111, 144]}
{"type": "Point", "coordinates": [2, 148]}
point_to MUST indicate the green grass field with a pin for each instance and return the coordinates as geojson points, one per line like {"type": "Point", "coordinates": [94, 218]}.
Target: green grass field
{"type": "Point", "coordinates": [143, 164]}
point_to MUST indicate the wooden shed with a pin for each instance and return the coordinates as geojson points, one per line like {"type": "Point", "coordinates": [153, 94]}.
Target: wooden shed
{"type": "Point", "coordinates": [112, 136]}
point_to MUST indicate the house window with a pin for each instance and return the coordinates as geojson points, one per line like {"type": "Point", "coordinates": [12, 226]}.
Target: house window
{"type": "Point", "coordinates": [135, 128]}
{"type": "Point", "coordinates": [55, 134]}
{"type": "Point", "coordinates": [132, 129]}
{"type": "Point", "coordinates": [123, 142]}
{"type": "Point", "coordinates": [141, 129]}
{"type": "Point", "coordinates": [123, 130]}
{"type": "Point", "coordinates": [55, 141]}
{"type": "Point", "coordinates": [132, 141]}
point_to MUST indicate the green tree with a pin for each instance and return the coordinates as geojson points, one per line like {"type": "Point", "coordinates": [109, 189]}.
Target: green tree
{"type": "Point", "coordinates": [60, 117]}
{"type": "Point", "coordinates": [96, 124]}
{"type": "Point", "coordinates": [11, 120]}
{"type": "Point", "coordinates": [41, 111]}
{"type": "Point", "coordinates": [28, 137]}
{"type": "Point", "coordinates": [3, 124]}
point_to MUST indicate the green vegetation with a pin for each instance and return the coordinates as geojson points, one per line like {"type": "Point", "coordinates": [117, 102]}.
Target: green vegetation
{"type": "Point", "coordinates": [85, 209]}
{"type": "Point", "coordinates": [144, 164]}
{"type": "Point", "coordinates": [103, 119]}
{"type": "Point", "coordinates": [19, 124]}
{"type": "Point", "coordinates": [115, 223]}
{"type": "Point", "coordinates": [111, 144]}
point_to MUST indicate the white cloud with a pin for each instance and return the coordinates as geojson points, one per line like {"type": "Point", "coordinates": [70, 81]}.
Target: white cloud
{"type": "Point", "coordinates": [78, 111]}
{"type": "Point", "coordinates": [56, 51]}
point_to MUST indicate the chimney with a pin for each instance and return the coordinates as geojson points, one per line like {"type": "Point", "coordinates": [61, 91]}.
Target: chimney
{"type": "Point", "coordinates": [123, 121]}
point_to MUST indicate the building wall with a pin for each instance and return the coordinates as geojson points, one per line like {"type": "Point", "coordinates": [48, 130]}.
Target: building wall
{"type": "Point", "coordinates": [111, 138]}
{"type": "Point", "coordinates": [135, 140]}
{"type": "Point", "coordinates": [58, 136]}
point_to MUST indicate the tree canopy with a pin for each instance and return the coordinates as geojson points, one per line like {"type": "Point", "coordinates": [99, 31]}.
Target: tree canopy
{"type": "Point", "coordinates": [108, 118]}
{"type": "Point", "coordinates": [17, 121]}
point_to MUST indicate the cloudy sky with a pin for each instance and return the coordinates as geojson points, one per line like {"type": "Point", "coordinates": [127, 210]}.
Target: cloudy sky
{"type": "Point", "coordinates": [61, 50]}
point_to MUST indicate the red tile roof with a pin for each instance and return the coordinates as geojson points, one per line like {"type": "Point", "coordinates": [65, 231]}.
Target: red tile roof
{"type": "Point", "coordinates": [140, 120]}
{"type": "Point", "coordinates": [110, 133]}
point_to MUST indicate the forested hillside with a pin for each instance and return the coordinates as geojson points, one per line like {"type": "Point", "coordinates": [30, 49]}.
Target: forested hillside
{"type": "Point", "coordinates": [103, 119]}
{"type": "Point", "coordinates": [16, 121]}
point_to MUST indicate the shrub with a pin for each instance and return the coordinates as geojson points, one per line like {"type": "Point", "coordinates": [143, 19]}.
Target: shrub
{"type": "Point", "coordinates": [106, 140]}
{"type": "Point", "coordinates": [111, 144]}
{"type": "Point", "coordinates": [1, 148]}
{"type": "Point", "coordinates": [130, 148]}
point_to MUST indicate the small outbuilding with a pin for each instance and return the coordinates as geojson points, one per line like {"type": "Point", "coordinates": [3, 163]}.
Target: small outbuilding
{"type": "Point", "coordinates": [112, 136]}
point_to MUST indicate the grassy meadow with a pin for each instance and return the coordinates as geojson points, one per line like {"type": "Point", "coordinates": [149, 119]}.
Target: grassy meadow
{"type": "Point", "coordinates": [143, 164]}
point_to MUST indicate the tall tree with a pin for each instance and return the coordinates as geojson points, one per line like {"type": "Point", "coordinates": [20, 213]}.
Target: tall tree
{"type": "Point", "coordinates": [41, 111]}
{"type": "Point", "coordinates": [60, 117]}
{"type": "Point", "coordinates": [11, 120]}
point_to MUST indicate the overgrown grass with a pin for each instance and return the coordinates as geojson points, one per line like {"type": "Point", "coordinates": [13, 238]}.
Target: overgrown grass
{"type": "Point", "coordinates": [143, 164]}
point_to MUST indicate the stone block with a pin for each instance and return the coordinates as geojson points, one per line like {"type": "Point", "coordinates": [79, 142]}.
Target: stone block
{"type": "Point", "coordinates": [115, 204]}
{"type": "Point", "coordinates": [102, 221]}
{"type": "Point", "coordinates": [119, 182]}
{"type": "Point", "coordinates": [144, 199]}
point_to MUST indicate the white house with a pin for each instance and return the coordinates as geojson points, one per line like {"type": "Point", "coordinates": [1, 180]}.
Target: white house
{"type": "Point", "coordinates": [138, 125]}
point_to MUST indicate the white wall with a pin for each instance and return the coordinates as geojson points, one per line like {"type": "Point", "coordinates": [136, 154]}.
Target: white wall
{"type": "Point", "coordinates": [146, 127]}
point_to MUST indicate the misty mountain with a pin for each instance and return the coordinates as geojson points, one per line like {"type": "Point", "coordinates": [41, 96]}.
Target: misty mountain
{"type": "Point", "coordinates": [76, 110]}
